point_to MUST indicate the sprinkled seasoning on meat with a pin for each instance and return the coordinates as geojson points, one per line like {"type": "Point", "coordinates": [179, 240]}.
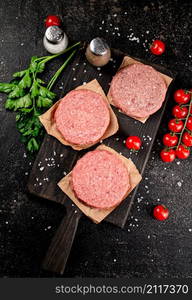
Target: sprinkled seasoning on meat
{"type": "Point", "coordinates": [100, 179]}
{"type": "Point", "coordinates": [82, 117]}
{"type": "Point", "coordinates": [138, 90]}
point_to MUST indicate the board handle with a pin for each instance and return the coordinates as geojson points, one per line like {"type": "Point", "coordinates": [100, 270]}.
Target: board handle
{"type": "Point", "coordinates": [60, 247]}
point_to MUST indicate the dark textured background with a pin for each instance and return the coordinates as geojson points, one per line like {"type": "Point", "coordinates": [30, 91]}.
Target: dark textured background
{"type": "Point", "coordinates": [145, 247]}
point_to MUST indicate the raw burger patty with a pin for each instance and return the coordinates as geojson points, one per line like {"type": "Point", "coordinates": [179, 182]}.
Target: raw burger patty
{"type": "Point", "coordinates": [100, 179]}
{"type": "Point", "coordinates": [82, 117]}
{"type": "Point", "coordinates": [138, 90]}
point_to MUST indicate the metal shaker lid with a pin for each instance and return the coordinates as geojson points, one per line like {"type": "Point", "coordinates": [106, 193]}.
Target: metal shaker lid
{"type": "Point", "coordinates": [54, 34]}
{"type": "Point", "coordinates": [98, 46]}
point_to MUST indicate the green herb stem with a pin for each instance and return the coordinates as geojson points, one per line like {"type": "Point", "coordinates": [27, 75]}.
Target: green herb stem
{"type": "Point", "coordinates": [185, 123]}
{"type": "Point", "coordinates": [48, 58]}
{"type": "Point", "coordinates": [56, 75]}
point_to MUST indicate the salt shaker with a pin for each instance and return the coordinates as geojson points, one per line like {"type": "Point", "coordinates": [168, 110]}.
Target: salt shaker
{"type": "Point", "coordinates": [98, 52]}
{"type": "Point", "coordinates": [55, 40]}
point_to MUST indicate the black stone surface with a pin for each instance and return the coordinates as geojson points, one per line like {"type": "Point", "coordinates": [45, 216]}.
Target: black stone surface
{"type": "Point", "coordinates": [145, 248]}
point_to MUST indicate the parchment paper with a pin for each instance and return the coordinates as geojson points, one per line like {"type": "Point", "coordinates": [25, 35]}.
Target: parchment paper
{"type": "Point", "coordinates": [95, 214]}
{"type": "Point", "coordinates": [127, 61]}
{"type": "Point", "coordinates": [47, 119]}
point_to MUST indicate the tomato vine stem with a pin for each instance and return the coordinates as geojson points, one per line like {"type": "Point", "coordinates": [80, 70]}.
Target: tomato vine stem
{"type": "Point", "coordinates": [185, 123]}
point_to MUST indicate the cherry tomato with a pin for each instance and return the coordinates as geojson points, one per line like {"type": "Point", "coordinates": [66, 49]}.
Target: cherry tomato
{"type": "Point", "coordinates": [157, 47]}
{"type": "Point", "coordinates": [52, 21]}
{"type": "Point", "coordinates": [133, 142]}
{"type": "Point", "coordinates": [175, 125]}
{"type": "Point", "coordinates": [179, 111]}
{"type": "Point", "coordinates": [167, 155]}
{"type": "Point", "coordinates": [189, 123]}
{"type": "Point", "coordinates": [187, 139]}
{"type": "Point", "coordinates": [181, 96]}
{"type": "Point", "coordinates": [182, 152]}
{"type": "Point", "coordinates": [170, 140]}
{"type": "Point", "coordinates": [160, 212]}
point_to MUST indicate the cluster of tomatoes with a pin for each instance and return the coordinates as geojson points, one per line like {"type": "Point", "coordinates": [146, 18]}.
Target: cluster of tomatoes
{"type": "Point", "coordinates": [179, 139]}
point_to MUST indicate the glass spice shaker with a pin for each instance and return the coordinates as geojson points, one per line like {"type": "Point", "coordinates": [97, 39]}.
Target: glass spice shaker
{"type": "Point", "coordinates": [98, 52]}
{"type": "Point", "coordinates": [55, 40]}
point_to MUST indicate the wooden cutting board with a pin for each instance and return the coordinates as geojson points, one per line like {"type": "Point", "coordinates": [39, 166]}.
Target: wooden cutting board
{"type": "Point", "coordinates": [54, 160]}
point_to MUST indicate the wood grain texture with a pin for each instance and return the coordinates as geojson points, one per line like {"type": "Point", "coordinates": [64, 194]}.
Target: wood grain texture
{"type": "Point", "coordinates": [60, 247]}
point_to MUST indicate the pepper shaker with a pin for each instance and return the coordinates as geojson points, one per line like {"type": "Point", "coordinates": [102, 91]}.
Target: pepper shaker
{"type": "Point", "coordinates": [55, 40]}
{"type": "Point", "coordinates": [98, 52]}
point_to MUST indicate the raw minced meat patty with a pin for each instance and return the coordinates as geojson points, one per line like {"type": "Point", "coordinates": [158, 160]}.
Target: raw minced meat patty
{"type": "Point", "coordinates": [100, 179]}
{"type": "Point", "coordinates": [138, 90]}
{"type": "Point", "coordinates": [82, 117]}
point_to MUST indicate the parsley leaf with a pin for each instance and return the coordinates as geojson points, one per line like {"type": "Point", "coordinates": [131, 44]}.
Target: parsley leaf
{"type": "Point", "coordinates": [32, 145]}
{"type": "Point", "coordinates": [44, 92]}
{"type": "Point", "coordinates": [24, 101]}
{"type": "Point", "coordinates": [6, 87]}
{"type": "Point", "coordinates": [44, 102]}
{"type": "Point", "coordinates": [19, 74]}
